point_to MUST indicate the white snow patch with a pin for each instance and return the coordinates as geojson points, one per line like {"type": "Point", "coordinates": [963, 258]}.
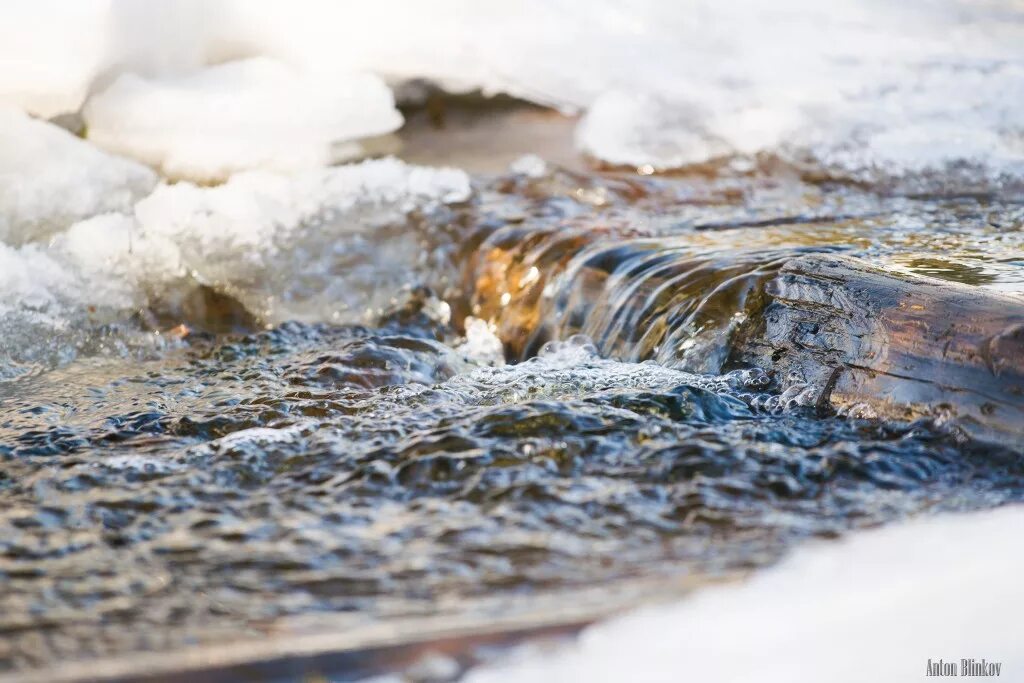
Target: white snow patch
{"type": "Point", "coordinates": [50, 52]}
{"type": "Point", "coordinates": [861, 87]}
{"type": "Point", "coordinates": [249, 114]}
{"type": "Point", "coordinates": [49, 178]}
{"type": "Point", "coordinates": [874, 607]}
{"type": "Point", "coordinates": [301, 246]}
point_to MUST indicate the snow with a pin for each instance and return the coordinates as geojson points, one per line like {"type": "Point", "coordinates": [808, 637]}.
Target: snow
{"type": "Point", "coordinates": [248, 114]}
{"type": "Point", "coordinates": [275, 241]}
{"type": "Point", "coordinates": [264, 95]}
{"type": "Point", "coordinates": [50, 52]}
{"type": "Point", "coordinates": [49, 178]}
{"type": "Point", "coordinates": [868, 89]}
{"type": "Point", "coordinates": [863, 89]}
{"type": "Point", "coordinates": [630, 129]}
{"type": "Point", "coordinates": [875, 607]}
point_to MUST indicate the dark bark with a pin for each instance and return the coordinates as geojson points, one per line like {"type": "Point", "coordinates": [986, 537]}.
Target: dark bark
{"type": "Point", "coordinates": [903, 346]}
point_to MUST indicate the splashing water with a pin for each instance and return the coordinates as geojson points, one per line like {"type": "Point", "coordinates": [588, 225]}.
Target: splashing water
{"type": "Point", "coordinates": [217, 486]}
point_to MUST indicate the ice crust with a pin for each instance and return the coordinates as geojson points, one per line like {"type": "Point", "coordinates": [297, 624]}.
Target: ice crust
{"type": "Point", "coordinates": [274, 241]}
{"type": "Point", "coordinates": [248, 114]}
{"type": "Point", "coordinates": [864, 89]}
{"type": "Point", "coordinates": [875, 607]}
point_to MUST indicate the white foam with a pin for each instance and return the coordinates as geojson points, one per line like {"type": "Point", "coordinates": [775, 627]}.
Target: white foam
{"type": "Point", "coordinates": [249, 114]}
{"type": "Point", "coordinates": [49, 178]}
{"type": "Point", "coordinates": [482, 345]}
{"type": "Point", "coordinates": [874, 607]}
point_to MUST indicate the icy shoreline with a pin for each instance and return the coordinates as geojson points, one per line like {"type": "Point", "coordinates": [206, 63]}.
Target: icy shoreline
{"type": "Point", "coordinates": [861, 90]}
{"type": "Point", "coordinates": [878, 606]}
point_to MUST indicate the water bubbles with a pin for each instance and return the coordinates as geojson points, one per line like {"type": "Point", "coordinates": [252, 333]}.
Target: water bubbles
{"type": "Point", "coordinates": [750, 379]}
{"type": "Point", "coordinates": [575, 349]}
{"type": "Point", "coordinates": [481, 345]}
{"type": "Point", "coordinates": [315, 468]}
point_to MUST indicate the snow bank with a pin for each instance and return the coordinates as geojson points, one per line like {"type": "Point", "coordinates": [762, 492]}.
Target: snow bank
{"type": "Point", "coordinates": [50, 52]}
{"type": "Point", "coordinates": [248, 114]}
{"type": "Point", "coordinates": [868, 89]}
{"type": "Point", "coordinates": [875, 607]}
{"type": "Point", "coordinates": [49, 178]}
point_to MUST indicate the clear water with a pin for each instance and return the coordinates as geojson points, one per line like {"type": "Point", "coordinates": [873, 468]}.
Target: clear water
{"type": "Point", "coordinates": [201, 491]}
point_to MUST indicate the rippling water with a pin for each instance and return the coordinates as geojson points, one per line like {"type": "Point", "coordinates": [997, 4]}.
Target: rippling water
{"type": "Point", "coordinates": [203, 490]}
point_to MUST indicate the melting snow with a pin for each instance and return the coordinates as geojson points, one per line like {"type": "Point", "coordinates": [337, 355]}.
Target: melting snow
{"type": "Point", "coordinates": [875, 607]}
{"type": "Point", "coordinates": [250, 114]}
{"type": "Point", "coordinates": [861, 88]}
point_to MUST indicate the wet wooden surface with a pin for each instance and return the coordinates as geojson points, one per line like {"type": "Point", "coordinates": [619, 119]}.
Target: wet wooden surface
{"type": "Point", "coordinates": [874, 341]}
{"type": "Point", "coordinates": [895, 345]}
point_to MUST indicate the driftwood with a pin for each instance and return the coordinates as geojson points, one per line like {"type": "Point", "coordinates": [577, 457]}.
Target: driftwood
{"type": "Point", "coordinates": [901, 346]}
{"type": "Point", "coordinates": [871, 340]}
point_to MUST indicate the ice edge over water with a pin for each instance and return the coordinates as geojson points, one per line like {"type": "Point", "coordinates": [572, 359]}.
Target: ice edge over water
{"type": "Point", "coordinates": [251, 236]}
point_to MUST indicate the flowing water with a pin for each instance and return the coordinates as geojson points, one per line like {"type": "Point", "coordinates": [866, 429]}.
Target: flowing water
{"type": "Point", "coordinates": [523, 393]}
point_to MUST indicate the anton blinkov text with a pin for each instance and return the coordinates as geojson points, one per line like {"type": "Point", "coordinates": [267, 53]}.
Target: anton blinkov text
{"type": "Point", "coordinates": [965, 667]}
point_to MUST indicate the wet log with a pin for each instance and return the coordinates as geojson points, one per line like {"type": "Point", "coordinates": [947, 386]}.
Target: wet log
{"type": "Point", "coordinates": [894, 345]}
{"type": "Point", "coordinates": [869, 340]}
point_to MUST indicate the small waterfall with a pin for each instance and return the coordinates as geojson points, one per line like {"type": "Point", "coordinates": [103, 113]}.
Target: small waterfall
{"type": "Point", "coordinates": [678, 300]}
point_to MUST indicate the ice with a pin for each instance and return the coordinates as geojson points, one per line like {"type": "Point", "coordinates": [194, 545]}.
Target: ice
{"type": "Point", "coordinates": [50, 52]}
{"type": "Point", "coordinates": [313, 246]}
{"type": "Point", "coordinates": [30, 280]}
{"type": "Point", "coordinates": [49, 178]}
{"type": "Point", "coordinates": [275, 240]}
{"type": "Point", "coordinates": [248, 114]}
{"type": "Point", "coordinates": [875, 607]}
{"type": "Point", "coordinates": [273, 237]}
{"type": "Point", "coordinates": [869, 90]}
